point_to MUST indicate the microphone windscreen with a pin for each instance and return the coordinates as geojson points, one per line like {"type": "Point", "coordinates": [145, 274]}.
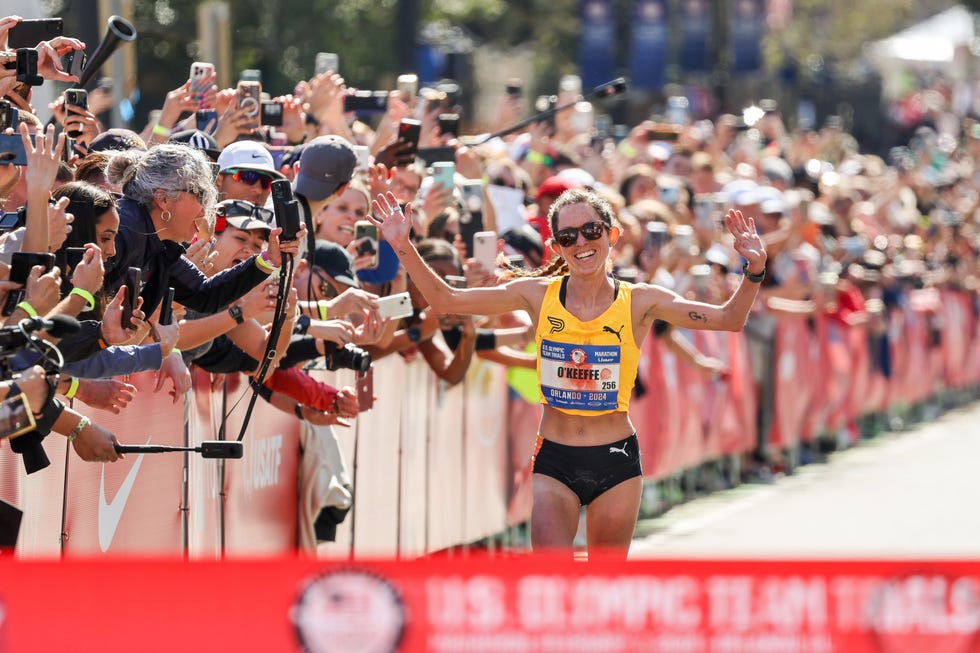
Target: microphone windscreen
{"type": "Point", "coordinates": [221, 449]}
{"type": "Point", "coordinates": [62, 325]}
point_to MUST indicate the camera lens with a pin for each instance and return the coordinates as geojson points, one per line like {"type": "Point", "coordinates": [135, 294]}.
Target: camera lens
{"type": "Point", "coordinates": [349, 357]}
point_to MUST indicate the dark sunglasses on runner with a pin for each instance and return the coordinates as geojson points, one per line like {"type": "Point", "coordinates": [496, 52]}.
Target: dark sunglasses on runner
{"type": "Point", "coordinates": [590, 231]}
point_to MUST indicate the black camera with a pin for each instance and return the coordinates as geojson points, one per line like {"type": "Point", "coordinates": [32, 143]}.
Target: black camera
{"type": "Point", "coordinates": [26, 67]}
{"type": "Point", "coordinates": [350, 357]}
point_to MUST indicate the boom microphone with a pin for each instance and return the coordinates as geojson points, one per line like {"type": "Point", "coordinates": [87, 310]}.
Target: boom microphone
{"type": "Point", "coordinates": [615, 87]}
{"type": "Point", "coordinates": [57, 327]}
{"type": "Point", "coordinates": [207, 448]}
{"type": "Point", "coordinates": [118, 31]}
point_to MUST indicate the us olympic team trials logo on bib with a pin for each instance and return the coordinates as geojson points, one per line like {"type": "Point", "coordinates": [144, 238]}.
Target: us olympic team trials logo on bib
{"type": "Point", "coordinates": [580, 377]}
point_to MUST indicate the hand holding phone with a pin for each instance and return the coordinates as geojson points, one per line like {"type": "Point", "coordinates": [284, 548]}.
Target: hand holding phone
{"type": "Point", "coordinates": [409, 130]}
{"type": "Point", "coordinates": [395, 306]}
{"type": "Point", "coordinates": [133, 278]}
{"type": "Point", "coordinates": [21, 264]}
{"type": "Point", "coordinates": [485, 249]}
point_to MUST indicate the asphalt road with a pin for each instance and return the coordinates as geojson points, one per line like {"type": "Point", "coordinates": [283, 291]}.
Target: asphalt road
{"type": "Point", "coordinates": [909, 494]}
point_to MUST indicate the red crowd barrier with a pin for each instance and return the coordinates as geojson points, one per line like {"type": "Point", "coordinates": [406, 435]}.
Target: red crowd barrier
{"type": "Point", "coordinates": [497, 604]}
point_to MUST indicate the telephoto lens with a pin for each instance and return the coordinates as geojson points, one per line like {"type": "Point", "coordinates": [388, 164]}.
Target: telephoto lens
{"type": "Point", "coordinates": [350, 357]}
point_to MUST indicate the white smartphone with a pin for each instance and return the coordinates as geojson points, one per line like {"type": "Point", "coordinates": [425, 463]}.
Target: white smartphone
{"type": "Point", "coordinates": [201, 72]}
{"type": "Point", "coordinates": [485, 249]}
{"type": "Point", "coordinates": [326, 61]}
{"type": "Point", "coordinates": [394, 306]}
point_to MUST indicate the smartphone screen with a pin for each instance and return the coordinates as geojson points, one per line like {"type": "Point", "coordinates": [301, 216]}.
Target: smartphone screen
{"type": "Point", "coordinates": [28, 33]}
{"type": "Point", "coordinates": [271, 114]}
{"type": "Point", "coordinates": [15, 417]}
{"type": "Point", "coordinates": [409, 131]}
{"type": "Point", "coordinates": [449, 123]}
{"type": "Point", "coordinates": [365, 390]}
{"type": "Point", "coordinates": [73, 256]}
{"type": "Point", "coordinates": [367, 233]}
{"type": "Point", "coordinates": [133, 276]}
{"type": "Point", "coordinates": [206, 120]}
{"type": "Point", "coordinates": [249, 95]}
{"type": "Point", "coordinates": [485, 249]}
{"type": "Point", "coordinates": [167, 308]}
{"type": "Point", "coordinates": [21, 264]}
{"type": "Point", "coordinates": [12, 150]}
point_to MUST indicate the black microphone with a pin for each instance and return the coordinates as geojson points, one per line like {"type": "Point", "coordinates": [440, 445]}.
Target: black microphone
{"type": "Point", "coordinates": [615, 87]}
{"type": "Point", "coordinates": [608, 89]}
{"type": "Point", "coordinates": [57, 326]}
{"type": "Point", "coordinates": [207, 449]}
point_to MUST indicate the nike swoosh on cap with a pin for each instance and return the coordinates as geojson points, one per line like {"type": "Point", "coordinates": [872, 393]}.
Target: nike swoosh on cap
{"type": "Point", "coordinates": [111, 513]}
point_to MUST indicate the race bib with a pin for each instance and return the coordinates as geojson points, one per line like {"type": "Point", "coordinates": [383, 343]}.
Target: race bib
{"type": "Point", "coordinates": [580, 377]}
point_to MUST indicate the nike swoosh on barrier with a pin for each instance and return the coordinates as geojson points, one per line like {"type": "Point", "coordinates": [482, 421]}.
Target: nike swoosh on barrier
{"type": "Point", "coordinates": [110, 513]}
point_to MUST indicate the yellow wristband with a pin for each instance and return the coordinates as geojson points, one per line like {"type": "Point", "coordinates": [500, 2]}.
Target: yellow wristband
{"type": "Point", "coordinates": [72, 389]}
{"type": "Point", "coordinates": [27, 308]}
{"type": "Point", "coordinates": [322, 308]}
{"type": "Point", "coordinates": [161, 131]}
{"type": "Point", "coordinates": [86, 295]}
{"type": "Point", "coordinates": [174, 351]}
{"type": "Point", "coordinates": [627, 149]}
{"type": "Point", "coordinates": [263, 264]}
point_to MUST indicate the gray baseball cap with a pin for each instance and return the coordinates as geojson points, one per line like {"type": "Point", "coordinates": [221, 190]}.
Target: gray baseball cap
{"type": "Point", "coordinates": [327, 162]}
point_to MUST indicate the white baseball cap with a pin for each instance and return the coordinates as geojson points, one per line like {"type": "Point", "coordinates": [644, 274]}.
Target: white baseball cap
{"type": "Point", "coordinates": [247, 155]}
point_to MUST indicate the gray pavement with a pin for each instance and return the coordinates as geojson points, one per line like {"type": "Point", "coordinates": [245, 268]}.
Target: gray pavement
{"type": "Point", "coordinates": [910, 494]}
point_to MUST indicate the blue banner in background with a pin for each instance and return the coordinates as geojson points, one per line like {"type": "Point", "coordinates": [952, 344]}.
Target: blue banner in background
{"type": "Point", "coordinates": [597, 48]}
{"type": "Point", "coordinates": [694, 54]}
{"type": "Point", "coordinates": [747, 26]}
{"type": "Point", "coordinates": [648, 44]}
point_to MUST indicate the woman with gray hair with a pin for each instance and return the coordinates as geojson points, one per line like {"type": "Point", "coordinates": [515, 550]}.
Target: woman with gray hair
{"type": "Point", "coordinates": [167, 190]}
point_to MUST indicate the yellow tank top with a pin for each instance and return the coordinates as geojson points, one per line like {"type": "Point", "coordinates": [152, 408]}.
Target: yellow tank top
{"type": "Point", "coordinates": [586, 368]}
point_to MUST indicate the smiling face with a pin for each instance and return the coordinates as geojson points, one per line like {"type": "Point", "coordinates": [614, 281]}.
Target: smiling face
{"type": "Point", "coordinates": [584, 255]}
{"type": "Point", "coordinates": [336, 222]}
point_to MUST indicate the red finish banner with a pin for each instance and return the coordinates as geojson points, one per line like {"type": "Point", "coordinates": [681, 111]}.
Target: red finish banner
{"type": "Point", "coordinates": [529, 604]}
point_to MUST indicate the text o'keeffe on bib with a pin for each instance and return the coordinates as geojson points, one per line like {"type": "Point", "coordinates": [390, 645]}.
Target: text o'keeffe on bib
{"type": "Point", "coordinates": [581, 377]}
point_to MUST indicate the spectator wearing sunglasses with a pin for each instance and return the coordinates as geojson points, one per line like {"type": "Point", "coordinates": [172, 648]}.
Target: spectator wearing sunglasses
{"type": "Point", "coordinates": [246, 172]}
{"type": "Point", "coordinates": [588, 329]}
{"type": "Point", "coordinates": [234, 340]}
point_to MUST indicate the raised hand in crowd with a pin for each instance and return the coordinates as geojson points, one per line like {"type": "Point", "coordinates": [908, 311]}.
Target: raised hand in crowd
{"type": "Point", "coordinates": [112, 330]}
{"type": "Point", "coordinates": [351, 301]}
{"type": "Point", "coordinates": [49, 54]}
{"type": "Point", "coordinates": [326, 104]}
{"type": "Point", "coordinates": [293, 118]}
{"type": "Point", "coordinates": [277, 249]}
{"type": "Point", "coordinates": [396, 153]}
{"type": "Point", "coordinates": [43, 158]}
{"type": "Point", "coordinates": [177, 102]}
{"type": "Point", "coordinates": [111, 395]}
{"type": "Point", "coordinates": [232, 124]}
{"type": "Point", "coordinates": [83, 121]}
{"type": "Point", "coordinates": [202, 254]}
{"type": "Point", "coordinates": [259, 302]}
{"type": "Point", "coordinates": [59, 224]}
{"type": "Point", "coordinates": [43, 289]}
{"type": "Point", "coordinates": [89, 273]}
{"type": "Point", "coordinates": [338, 331]}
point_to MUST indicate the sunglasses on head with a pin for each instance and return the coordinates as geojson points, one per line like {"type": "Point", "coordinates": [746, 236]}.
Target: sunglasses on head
{"type": "Point", "coordinates": [239, 209]}
{"type": "Point", "coordinates": [589, 230]}
{"type": "Point", "coordinates": [250, 177]}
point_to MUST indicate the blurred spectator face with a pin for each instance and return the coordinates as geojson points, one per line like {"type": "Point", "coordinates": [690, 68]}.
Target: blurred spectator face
{"type": "Point", "coordinates": [250, 185]}
{"type": "Point", "coordinates": [641, 188]}
{"type": "Point", "coordinates": [405, 184]}
{"type": "Point", "coordinates": [106, 227]}
{"type": "Point", "coordinates": [235, 245]}
{"type": "Point", "coordinates": [336, 221]}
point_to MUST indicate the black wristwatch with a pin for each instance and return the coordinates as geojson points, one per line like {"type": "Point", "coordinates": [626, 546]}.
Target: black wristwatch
{"type": "Point", "coordinates": [236, 312]}
{"type": "Point", "coordinates": [754, 278]}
